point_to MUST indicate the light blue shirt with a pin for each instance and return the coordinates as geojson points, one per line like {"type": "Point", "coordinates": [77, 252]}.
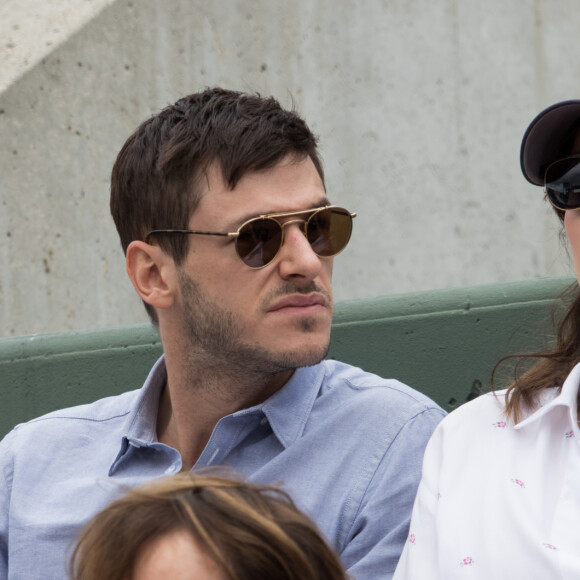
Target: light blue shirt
{"type": "Point", "coordinates": [346, 444]}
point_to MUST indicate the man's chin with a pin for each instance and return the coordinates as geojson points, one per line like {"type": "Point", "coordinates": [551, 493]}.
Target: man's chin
{"type": "Point", "coordinates": [302, 357]}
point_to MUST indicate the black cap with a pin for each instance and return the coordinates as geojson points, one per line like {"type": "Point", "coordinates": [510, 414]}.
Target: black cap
{"type": "Point", "coordinates": [545, 137]}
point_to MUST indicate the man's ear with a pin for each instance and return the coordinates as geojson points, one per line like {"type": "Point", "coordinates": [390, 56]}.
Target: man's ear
{"type": "Point", "coordinates": [152, 273]}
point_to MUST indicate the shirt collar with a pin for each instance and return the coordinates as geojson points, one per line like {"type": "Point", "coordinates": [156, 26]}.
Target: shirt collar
{"type": "Point", "coordinates": [287, 410]}
{"type": "Point", "coordinates": [141, 426]}
{"type": "Point", "coordinates": [550, 399]}
{"type": "Point", "coordinates": [142, 423]}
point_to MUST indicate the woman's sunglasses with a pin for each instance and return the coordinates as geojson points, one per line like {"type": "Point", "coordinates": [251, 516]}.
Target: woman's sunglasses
{"type": "Point", "coordinates": [562, 183]}
{"type": "Point", "coordinates": [259, 239]}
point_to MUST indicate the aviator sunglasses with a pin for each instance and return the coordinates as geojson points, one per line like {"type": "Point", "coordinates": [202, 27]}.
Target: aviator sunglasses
{"type": "Point", "coordinates": [562, 183]}
{"type": "Point", "coordinates": [258, 240]}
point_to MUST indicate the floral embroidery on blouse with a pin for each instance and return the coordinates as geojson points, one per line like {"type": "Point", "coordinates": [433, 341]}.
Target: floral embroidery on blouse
{"type": "Point", "coordinates": [549, 546]}
{"type": "Point", "coordinates": [466, 562]}
{"type": "Point", "coordinates": [500, 425]}
{"type": "Point", "coordinates": [569, 434]}
{"type": "Point", "coordinates": [412, 539]}
{"type": "Point", "coordinates": [519, 482]}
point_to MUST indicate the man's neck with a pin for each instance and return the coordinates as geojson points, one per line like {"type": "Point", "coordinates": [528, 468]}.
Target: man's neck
{"type": "Point", "coordinates": [194, 401]}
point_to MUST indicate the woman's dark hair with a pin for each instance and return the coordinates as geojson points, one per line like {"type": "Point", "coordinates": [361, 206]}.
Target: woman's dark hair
{"type": "Point", "coordinates": [554, 364]}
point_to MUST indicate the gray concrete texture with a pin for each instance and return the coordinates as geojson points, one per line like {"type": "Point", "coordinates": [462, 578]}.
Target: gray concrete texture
{"type": "Point", "coordinates": [420, 106]}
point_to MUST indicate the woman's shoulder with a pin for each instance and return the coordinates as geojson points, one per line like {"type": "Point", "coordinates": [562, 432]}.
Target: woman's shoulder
{"type": "Point", "coordinates": [488, 405]}
{"type": "Point", "coordinates": [477, 430]}
{"type": "Point", "coordinates": [474, 419]}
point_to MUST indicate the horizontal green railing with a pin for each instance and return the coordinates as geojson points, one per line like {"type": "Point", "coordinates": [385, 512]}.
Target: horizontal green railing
{"type": "Point", "coordinates": [443, 342]}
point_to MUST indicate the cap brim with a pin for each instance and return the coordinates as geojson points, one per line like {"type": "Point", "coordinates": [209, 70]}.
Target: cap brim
{"type": "Point", "coordinates": [544, 138]}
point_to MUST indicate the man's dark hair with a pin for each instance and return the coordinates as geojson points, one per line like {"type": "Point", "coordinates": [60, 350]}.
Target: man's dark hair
{"type": "Point", "coordinates": [155, 182]}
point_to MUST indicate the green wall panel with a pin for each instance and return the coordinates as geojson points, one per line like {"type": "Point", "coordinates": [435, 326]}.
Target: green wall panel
{"type": "Point", "coordinates": [444, 343]}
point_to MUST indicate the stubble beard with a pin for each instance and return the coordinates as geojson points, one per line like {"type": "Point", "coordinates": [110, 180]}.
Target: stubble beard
{"type": "Point", "coordinates": [216, 338]}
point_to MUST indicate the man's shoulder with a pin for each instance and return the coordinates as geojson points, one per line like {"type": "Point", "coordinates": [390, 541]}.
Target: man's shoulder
{"type": "Point", "coordinates": [63, 421]}
{"type": "Point", "coordinates": [356, 387]}
{"type": "Point", "coordinates": [372, 385]}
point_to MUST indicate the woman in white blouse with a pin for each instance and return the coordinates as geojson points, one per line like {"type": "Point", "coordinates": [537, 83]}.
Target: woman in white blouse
{"type": "Point", "coordinates": [500, 492]}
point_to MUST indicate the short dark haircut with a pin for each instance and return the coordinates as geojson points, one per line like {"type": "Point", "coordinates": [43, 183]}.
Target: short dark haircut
{"type": "Point", "coordinates": [155, 178]}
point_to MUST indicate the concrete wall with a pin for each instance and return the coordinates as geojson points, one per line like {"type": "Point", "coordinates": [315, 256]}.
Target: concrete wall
{"type": "Point", "coordinates": [420, 106]}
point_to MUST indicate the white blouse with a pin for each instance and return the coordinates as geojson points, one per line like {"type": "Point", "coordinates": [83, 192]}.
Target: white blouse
{"type": "Point", "coordinates": [498, 500]}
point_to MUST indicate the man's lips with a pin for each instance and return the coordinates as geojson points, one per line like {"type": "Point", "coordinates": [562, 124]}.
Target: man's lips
{"type": "Point", "coordinates": [300, 303]}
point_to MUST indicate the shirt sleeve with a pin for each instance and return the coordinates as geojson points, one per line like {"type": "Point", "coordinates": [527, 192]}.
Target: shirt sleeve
{"type": "Point", "coordinates": [6, 464]}
{"type": "Point", "coordinates": [420, 554]}
{"type": "Point", "coordinates": [381, 526]}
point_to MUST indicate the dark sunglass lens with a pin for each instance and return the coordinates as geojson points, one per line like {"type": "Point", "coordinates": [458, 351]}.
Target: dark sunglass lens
{"type": "Point", "coordinates": [258, 242]}
{"type": "Point", "coordinates": [563, 183]}
{"type": "Point", "coordinates": [329, 230]}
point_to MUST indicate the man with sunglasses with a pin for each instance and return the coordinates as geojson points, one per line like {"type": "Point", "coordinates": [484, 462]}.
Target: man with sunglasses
{"type": "Point", "coordinates": [229, 236]}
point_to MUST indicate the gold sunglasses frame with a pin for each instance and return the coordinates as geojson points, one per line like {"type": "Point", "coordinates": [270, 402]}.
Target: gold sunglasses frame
{"type": "Point", "coordinates": [271, 216]}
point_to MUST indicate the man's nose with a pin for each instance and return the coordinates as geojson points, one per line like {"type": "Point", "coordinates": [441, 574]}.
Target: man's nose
{"type": "Point", "coordinates": [296, 256]}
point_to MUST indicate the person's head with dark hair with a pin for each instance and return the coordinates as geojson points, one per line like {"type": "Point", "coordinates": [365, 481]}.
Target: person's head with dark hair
{"type": "Point", "coordinates": [229, 239]}
{"type": "Point", "coordinates": [506, 461]}
{"type": "Point", "coordinates": [203, 526]}
{"type": "Point", "coordinates": [550, 157]}
{"type": "Point", "coordinates": [162, 170]}
{"type": "Point", "coordinates": [229, 235]}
